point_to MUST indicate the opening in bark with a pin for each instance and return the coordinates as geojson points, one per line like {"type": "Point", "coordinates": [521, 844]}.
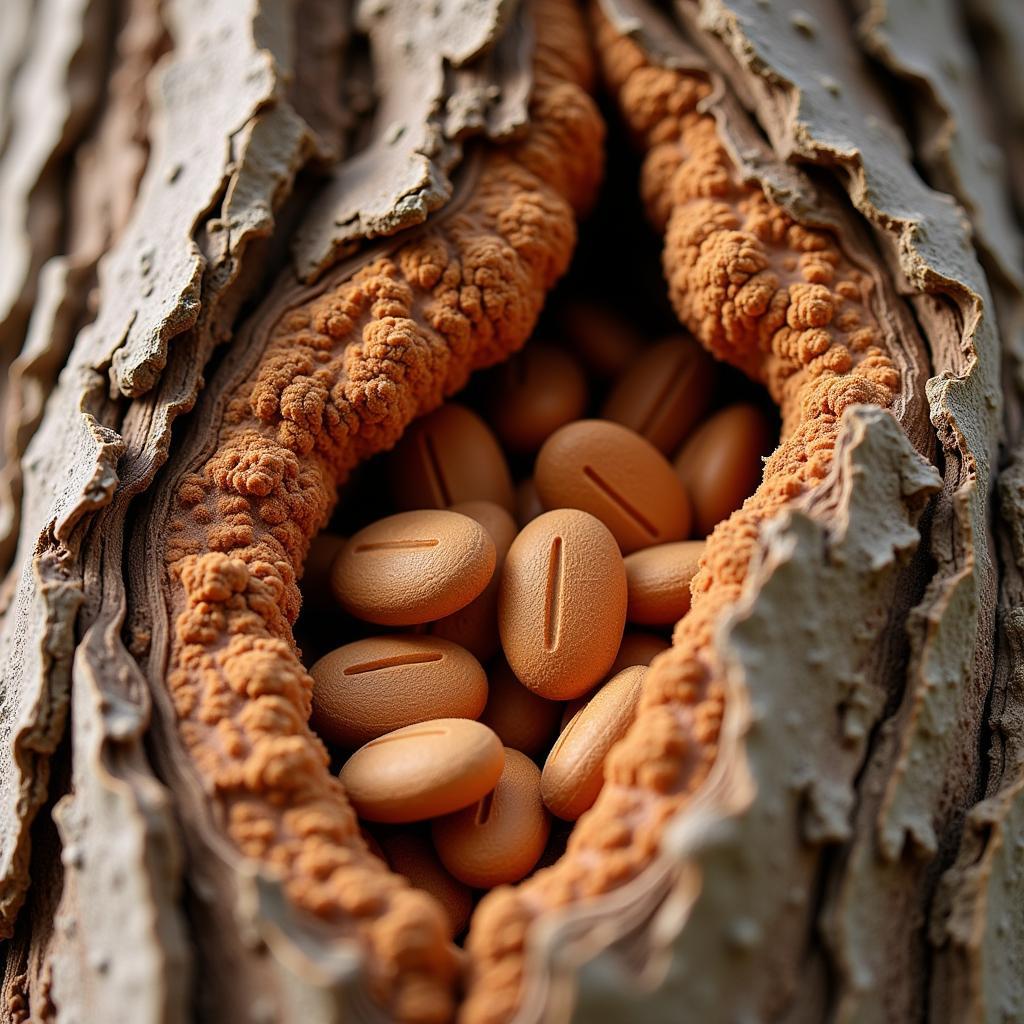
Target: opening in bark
{"type": "Point", "coordinates": [334, 373]}
{"type": "Point", "coordinates": [606, 319]}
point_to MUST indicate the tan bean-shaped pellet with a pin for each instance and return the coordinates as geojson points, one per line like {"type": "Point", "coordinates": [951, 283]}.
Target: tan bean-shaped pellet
{"type": "Point", "coordinates": [638, 648]}
{"type": "Point", "coordinates": [611, 472]}
{"type": "Point", "coordinates": [605, 342]}
{"type": "Point", "coordinates": [521, 719]}
{"type": "Point", "coordinates": [535, 393]}
{"type": "Point", "coordinates": [658, 582]}
{"type": "Point", "coordinates": [475, 627]}
{"type": "Point", "coordinates": [423, 771]}
{"type": "Point", "coordinates": [448, 457]}
{"type": "Point", "coordinates": [720, 464]}
{"type": "Point", "coordinates": [574, 771]}
{"type": "Point", "coordinates": [413, 567]}
{"type": "Point", "coordinates": [500, 838]}
{"type": "Point", "coordinates": [528, 505]}
{"type": "Point", "coordinates": [316, 572]}
{"type": "Point", "coordinates": [562, 603]}
{"type": "Point", "coordinates": [374, 686]}
{"type": "Point", "coordinates": [664, 393]}
{"type": "Point", "coordinates": [412, 854]}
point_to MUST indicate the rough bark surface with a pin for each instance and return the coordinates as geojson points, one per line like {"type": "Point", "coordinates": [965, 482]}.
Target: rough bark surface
{"type": "Point", "coordinates": [246, 243]}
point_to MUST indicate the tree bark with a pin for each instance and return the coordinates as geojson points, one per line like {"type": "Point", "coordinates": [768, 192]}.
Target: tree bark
{"type": "Point", "coordinates": [196, 199]}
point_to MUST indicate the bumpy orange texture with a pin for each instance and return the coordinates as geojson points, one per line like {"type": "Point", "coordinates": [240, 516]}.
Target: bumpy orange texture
{"type": "Point", "coordinates": [339, 380]}
{"type": "Point", "coordinates": [783, 303]}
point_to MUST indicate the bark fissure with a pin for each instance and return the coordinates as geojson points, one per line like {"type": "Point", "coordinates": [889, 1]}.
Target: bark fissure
{"type": "Point", "coordinates": [820, 810]}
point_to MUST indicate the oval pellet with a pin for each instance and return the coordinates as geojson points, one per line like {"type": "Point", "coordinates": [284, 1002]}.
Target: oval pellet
{"type": "Point", "coordinates": [611, 472]}
{"type": "Point", "coordinates": [664, 393]}
{"type": "Point", "coordinates": [501, 837]}
{"type": "Point", "coordinates": [412, 854]}
{"type": "Point", "coordinates": [475, 626]}
{"type": "Point", "coordinates": [447, 457]}
{"type": "Point", "coordinates": [720, 464]}
{"type": "Point", "coordinates": [374, 686]}
{"type": "Point", "coordinates": [521, 719]}
{"type": "Point", "coordinates": [562, 603]}
{"type": "Point", "coordinates": [638, 648]}
{"type": "Point", "coordinates": [574, 771]}
{"type": "Point", "coordinates": [534, 394]}
{"type": "Point", "coordinates": [423, 771]}
{"type": "Point", "coordinates": [605, 342]}
{"type": "Point", "coordinates": [413, 567]}
{"type": "Point", "coordinates": [658, 582]}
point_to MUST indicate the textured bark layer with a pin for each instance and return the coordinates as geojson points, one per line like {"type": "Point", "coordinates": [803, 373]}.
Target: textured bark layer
{"type": "Point", "coordinates": [818, 811]}
{"type": "Point", "coordinates": [341, 369]}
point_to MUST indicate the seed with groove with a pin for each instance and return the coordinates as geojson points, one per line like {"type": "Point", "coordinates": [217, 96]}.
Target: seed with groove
{"type": "Point", "coordinates": [562, 603]}
{"type": "Point", "coordinates": [368, 688]}
{"type": "Point", "coordinates": [475, 627]}
{"type": "Point", "coordinates": [501, 838]}
{"type": "Point", "coordinates": [423, 771]}
{"type": "Point", "coordinates": [720, 464]}
{"type": "Point", "coordinates": [613, 473]}
{"type": "Point", "coordinates": [574, 770]}
{"type": "Point", "coordinates": [448, 457]}
{"type": "Point", "coordinates": [664, 393]}
{"type": "Point", "coordinates": [413, 567]}
{"type": "Point", "coordinates": [534, 394]}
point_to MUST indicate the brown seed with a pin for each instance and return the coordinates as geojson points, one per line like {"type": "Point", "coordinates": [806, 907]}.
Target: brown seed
{"type": "Point", "coordinates": [475, 627]}
{"type": "Point", "coordinates": [316, 572]}
{"type": "Point", "coordinates": [658, 582]}
{"type": "Point", "coordinates": [611, 472]}
{"type": "Point", "coordinates": [574, 771]}
{"type": "Point", "coordinates": [413, 567]}
{"type": "Point", "coordinates": [720, 464]}
{"type": "Point", "coordinates": [500, 838]}
{"type": "Point", "coordinates": [521, 719]}
{"type": "Point", "coordinates": [423, 771]}
{"type": "Point", "coordinates": [374, 686]}
{"type": "Point", "coordinates": [562, 603]}
{"type": "Point", "coordinates": [412, 854]}
{"type": "Point", "coordinates": [528, 505]}
{"type": "Point", "coordinates": [664, 393]}
{"type": "Point", "coordinates": [638, 649]}
{"type": "Point", "coordinates": [535, 393]}
{"type": "Point", "coordinates": [605, 342]}
{"type": "Point", "coordinates": [448, 457]}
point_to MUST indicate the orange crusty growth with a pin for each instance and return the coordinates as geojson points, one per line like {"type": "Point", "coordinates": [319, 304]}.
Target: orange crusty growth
{"type": "Point", "coordinates": [784, 304]}
{"type": "Point", "coordinates": [339, 380]}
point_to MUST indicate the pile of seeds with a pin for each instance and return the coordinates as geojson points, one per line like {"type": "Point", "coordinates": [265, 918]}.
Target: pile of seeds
{"type": "Point", "coordinates": [500, 613]}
